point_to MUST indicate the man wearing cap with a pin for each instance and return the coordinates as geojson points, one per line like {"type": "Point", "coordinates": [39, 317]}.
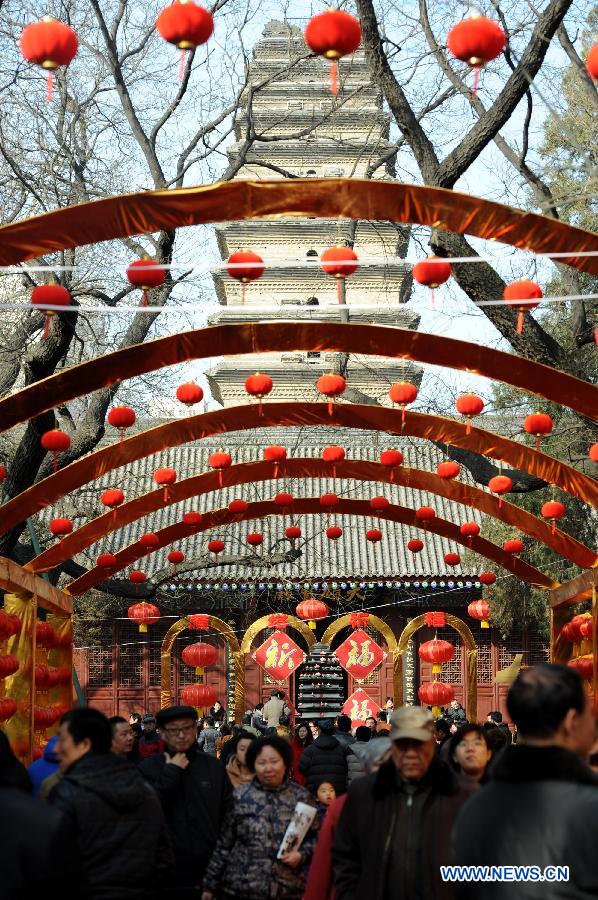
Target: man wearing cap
{"type": "Point", "coordinates": [195, 792]}
{"type": "Point", "coordinates": [395, 829]}
{"type": "Point", "coordinates": [150, 742]}
{"type": "Point", "coordinates": [325, 758]}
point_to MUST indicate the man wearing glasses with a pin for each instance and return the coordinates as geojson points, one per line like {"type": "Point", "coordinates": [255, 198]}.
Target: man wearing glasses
{"type": "Point", "coordinates": [194, 790]}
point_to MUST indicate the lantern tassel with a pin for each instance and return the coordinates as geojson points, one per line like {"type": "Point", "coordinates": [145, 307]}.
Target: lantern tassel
{"type": "Point", "coordinates": [520, 322]}
{"type": "Point", "coordinates": [554, 526]}
{"type": "Point", "coordinates": [260, 411]}
{"type": "Point", "coordinates": [181, 65]}
{"type": "Point", "coordinates": [339, 293]}
{"type": "Point", "coordinates": [537, 442]}
{"type": "Point", "coordinates": [330, 407]}
{"type": "Point", "coordinates": [220, 477]}
{"type": "Point", "coordinates": [436, 712]}
{"type": "Point", "coordinates": [143, 627]}
{"type": "Point", "coordinates": [468, 427]}
{"type": "Point", "coordinates": [165, 495]}
{"type": "Point", "coordinates": [275, 472]}
{"type": "Point", "coordinates": [334, 77]}
{"type": "Point", "coordinates": [49, 86]}
{"type": "Point", "coordinates": [500, 502]}
{"type": "Point", "coordinates": [47, 327]}
{"type": "Point", "coordinates": [476, 80]}
{"type": "Point", "coordinates": [144, 298]}
{"type": "Point", "coordinates": [334, 471]}
{"type": "Point", "coordinates": [433, 300]}
{"type": "Point", "coordinates": [485, 623]}
{"type": "Point", "coordinates": [243, 294]}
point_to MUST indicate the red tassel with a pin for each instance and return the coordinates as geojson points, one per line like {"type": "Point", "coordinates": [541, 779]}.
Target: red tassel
{"type": "Point", "coordinates": [537, 442]}
{"type": "Point", "coordinates": [470, 539]}
{"type": "Point", "coordinates": [468, 428]}
{"type": "Point", "coordinates": [520, 322]}
{"type": "Point", "coordinates": [49, 86]}
{"type": "Point", "coordinates": [330, 407]}
{"type": "Point", "coordinates": [392, 475]}
{"type": "Point", "coordinates": [220, 477]}
{"type": "Point", "coordinates": [334, 77]}
{"type": "Point", "coordinates": [165, 495]}
{"type": "Point", "coordinates": [114, 516]}
{"type": "Point", "coordinates": [182, 65]}
{"type": "Point", "coordinates": [339, 295]}
{"type": "Point", "coordinates": [554, 526]}
{"type": "Point", "coordinates": [500, 502]}
{"type": "Point", "coordinates": [47, 327]}
{"type": "Point", "coordinates": [275, 473]}
{"type": "Point", "coordinates": [433, 303]}
{"type": "Point", "coordinates": [476, 80]}
{"type": "Point", "coordinates": [144, 300]}
{"type": "Point", "coordinates": [334, 471]}
{"type": "Point", "coordinates": [242, 293]}
{"type": "Point", "coordinates": [260, 411]}
{"type": "Point", "coordinates": [402, 414]}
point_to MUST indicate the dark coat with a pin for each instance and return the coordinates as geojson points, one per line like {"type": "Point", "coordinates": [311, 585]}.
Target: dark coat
{"type": "Point", "coordinates": [150, 744]}
{"type": "Point", "coordinates": [194, 801]}
{"type": "Point", "coordinates": [36, 850]}
{"type": "Point", "coordinates": [388, 843]}
{"type": "Point", "coordinates": [455, 716]}
{"type": "Point", "coordinates": [325, 759]}
{"type": "Point", "coordinates": [117, 825]}
{"type": "Point", "coordinates": [355, 766]}
{"type": "Point", "coordinates": [541, 809]}
{"type": "Point", "coordinates": [244, 863]}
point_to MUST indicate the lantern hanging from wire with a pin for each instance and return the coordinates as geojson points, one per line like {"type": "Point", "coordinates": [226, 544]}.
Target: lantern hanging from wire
{"type": "Point", "coordinates": [292, 533]}
{"type": "Point", "coordinates": [216, 546]}
{"type": "Point", "coordinates": [175, 558]}
{"type": "Point", "coordinates": [334, 532]}
{"type": "Point", "coordinates": [200, 696]}
{"type": "Point", "coordinates": [143, 614]}
{"type": "Point", "coordinates": [432, 272]}
{"type": "Point", "coordinates": [255, 540]}
{"type": "Point", "coordinates": [112, 498]}
{"type": "Point", "coordinates": [186, 25]}
{"type": "Point", "coordinates": [415, 546]}
{"type": "Point", "coordinates": [487, 578]}
{"type": "Point", "coordinates": [284, 500]}
{"type": "Point", "coordinates": [121, 417]}
{"type": "Point", "coordinates": [219, 462]}
{"type": "Point", "coordinates": [373, 535]}
{"type": "Point", "coordinates": [275, 454]}
{"type": "Point", "coordinates": [425, 514]}
{"type": "Point", "coordinates": [436, 694]}
{"type": "Point", "coordinates": [469, 405]}
{"type": "Point", "coordinates": [480, 610]}
{"type": "Point", "coordinates": [312, 610]}
{"type": "Point", "coordinates": [592, 63]}
{"type": "Point", "coordinates": [436, 652]}
{"type": "Point", "coordinates": [331, 385]}
{"type": "Point", "coordinates": [192, 518]}
{"type": "Point", "coordinates": [469, 530]}
{"type": "Point", "coordinates": [146, 274]}
{"type": "Point", "coordinates": [106, 561]}
{"type": "Point", "coordinates": [403, 393]}
{"type": "Point", "coordinates": [61, 526]}
{"type": "Point", "coordinates": [238, 505]}
{"type": "Point", "coordinates": [49, 44]}
{"type": "Point", "coordinates": [379, 504]}
{"type": "Point", "coordinates": [329, 502]}
{"type": "Point", "coordinates": [51, 295]}
{"type": "Point", "coordinates": [553, 510]}
{"type": "Point", "coordinates": [163, 478]}
{"type": "Point", "coordinates": [523, 296]}
{"type": "Point", "coordinates": [136, 577]}
{"type": "Point", "coordinates": [448, 469]}
{"type": "Point", "coordinates": [333, 454]}
{"type": "Point", "coordinates": [200, 655]}
{"type": "Point", "coordinates": [593, 453]}
{"type": "Point", "coordinates": [538, 424]}
{"type": "Point", "coordinates": [199, 622]}
{"type": "Point", "coordinates": [452, 559]}
{"type": "Point", "coordinates": [245, 266]}
{"type": "Point", "coordinates": [339, 262]}
{"type": "Point", "coordinates": [391, 459]}
{"type": "Point", "coordinates": [55, 442]}
{"type": "Point", "coordinates": [149, 541]}
{"type": "Point", "coordinates": [333, 34]}
{"type": "Point", "coordinates": [189, 393]}
{"type": "Point", "coordinates": [476, 40]}
{"type": "Point", "coordinates": [500, 484]}
{"type": "Point", "coordinates": [258, 385]}
{"type": "Point", "coordinates": [513, 546]}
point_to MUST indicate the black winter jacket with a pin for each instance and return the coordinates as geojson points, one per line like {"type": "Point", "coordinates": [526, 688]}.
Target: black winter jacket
{"type": "Point", "coordinates": [117, 825]}
{"type": "Point", "coordinates": [389, 843]}
{"type": "Point", "coordinates": [540, 809]}
{"type": "Point", "coordinates": [325, 759]}
{"type": "Point", "coordinates": [194, 801]}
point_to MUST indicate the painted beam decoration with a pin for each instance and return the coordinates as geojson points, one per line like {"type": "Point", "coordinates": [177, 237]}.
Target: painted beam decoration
{"type": "Point", "coordinates": [359, 707]}
{"type": "Point", "coordinates": [279, 656]}
{"type": "Point", "coordinates": [359, 655]}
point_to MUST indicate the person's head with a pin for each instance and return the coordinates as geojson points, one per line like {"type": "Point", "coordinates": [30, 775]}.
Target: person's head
{"type": "Point", "coordinates": [281, 695]}
{"type": "Point", "coordinates": [469, 752]}
{"type": "Point", "coordinates": [326, 726]}
{"type": "Point", "coordinates": [217, 706]}
{"type": "Point", "coordinates": [362, 734]}
{"type": "Point", "coordinates": [123, 736]}
{"type": "Point", "coordinates": [82, 730]}
{"type": "Point", "coordinates": [209, 721]}
{"type": "Point", "coordinates": [135, 718]}
{"type": "Point", "coordinates": [389, 703]}
{"type": "Point", "coordinates": [371, 723]}
{"type": "Point", "coordinates": [441, 730]}
{"type": "Point", "coordinates": [325, 793]}
{"type": "Point", "coordinates": [496, 738]}
{"type": "Point", "coordinates": [149, 722]}
{"type": "Point", "coordinates": [314, 729]}
{"type": "Point", "coordinates": [259, 707]}
{"type": "Point", "coordinates": [270, 758]}
{"type": "Point", "coordinates": [240, 744]}
{"type": "Point", "coordinates": [178, 727]}
{"type": "Point", "coordinates": [549, 706]}
{"type": "Point", "coordinates": [412, 738]}
{"type": "Point", "coordinates": [455, 704]}
{"type": "Point", "coordinates": [303, 734]}
{"type": "Point", "coordinates": [343, 724]}
{"type": "Point", "coordinates": [494, 716]}
{"type": "Point", "coordinates": [382, 717]}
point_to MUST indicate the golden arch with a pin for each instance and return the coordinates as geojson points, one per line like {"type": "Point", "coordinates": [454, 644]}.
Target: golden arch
{"type": "Point", "coordinates": [471, 657]}
{"type": "Point", "coordinates": [388, 635]}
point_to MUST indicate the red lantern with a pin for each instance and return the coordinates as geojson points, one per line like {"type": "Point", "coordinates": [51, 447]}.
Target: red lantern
{"type": "Point", "coordinates": [192, 518]}
{"type": "Point", "coordinates": [106, 560]}
{"type": "Point", "coordinates": [199, 655]}
{"type": "Point", "coordinates": [586, 629]}
{"type": "Point", "coordinates": [149, 542]}
{"type": "Point", "coordinates": [452, 559]}
{"type": "Point", "coordinates": [469, 530]}
{"type": "Point", "coordinates": [146, 274]}
{"type": "Point", "coordinates": [186, 25]}
{"type": "Point", "coordinates": [522, 296]}
{"type": "Point", "coordinates": [584, 665]}
{"type": "Point", "coordinates": [293, 532]}
{"type": "Point", "coordinates": [572, 630]}
{"type": "Point", "coordinates": [8, 708]}
{"type": "Point", "coordinates": [112, 498]}
{"type": "Point", "coordinates": [189, 393]}
{"type": "Point", "coordinates": [432, 272]}
{"type": "Point", "coordinates": [592, 63]}
{"type": "Point", "coordinates": [143, 614]}
{"type": "Point", "coordinates": [61, 526]}
{"type": "Point", "coordinates": [333, 533]}
{"type": "Point", "coordinates": [49, 44]}
{"type": "Point", "coordinates": [415, 546]}
{"type": "Point", "coordinates": [480, 610]}
{"type": "Point", "coordinates": [553, 510]}
{"type": "Point", "coordinates": [425, 514]}
{"type": "Point", "coordinates": [436, 694]}
{"type": "Point", "coordinates": [329, 501]}
{"type": "Point", "coordinates": [199, 696]}
{"type": "Point", "coordinates": [476, 40]}
{"type": "Point", "coordinates": [245, 266]}
{"type": "Point", "coordinates": [163, 477]}
{"type": "Point", "coordinates": [45, 635]}
{"type": "Point", "coordinates": [220, 461]}
{"type": "Point", "coordinates": [379, 503]}
{"type": "Point", "coordinates": [238, 506]}
{"type": "Point", "coordinates": [121, 417]}
{"type": "Point", "coordinates": [403, 393]}
{"type": "Point", "coordinates": [469, 405]}
{"type": "Point", "coordinates": [487, 578]}
{"type": "Point", "coordinates": [331, 385]}
{"type": "Point", "coordinates": [448, 469]}
{"type": "Point", "coordinates": [340, 262]}
{"type": "Point", "coordinates": [216, 546]}
{"type": "Point", "coordinates": [436, 652]}
{"type": "Point", "coordinates": [500, 484]}
{"type": "Point", "coordinates": [391, 459]}
{"type": "Point", "coordinates": [199, 622]}
{"type": "Point", "coordinates": [514, 546]}
{"type": "Point", "coordinates": [593, 453]}
{"type": "Point", "coordinates": [51, 295]}
{"type": "Point", "coordinates": [41, 677]}
{"type": "Point", "coordinates": [333, 454]}
{"type": "Point", "coordinates": [538, 424]}
{"type": "Point", "coordinates": [311, 611]}
{"type": "Point", "coordinates": [176, 557]}
{"type": "Point", "coordinates": [136, 577]}
{"type": "Point", "coordinates": [55, 442]}
{"type": "Point", "coordinates": [255, 540]}
{"type": "Point", "coordinates": [373, 535]}
{"type": "Point", "coordinates": [258, 385]}
{"type": "Point", "coordinates": [275, 454]}
{"type": "Point", "coordinates": [333, 34]}
{"type": "Point", "coordinates": [284, 500]}
{"type": "Point", "coordinates": [8, 666]}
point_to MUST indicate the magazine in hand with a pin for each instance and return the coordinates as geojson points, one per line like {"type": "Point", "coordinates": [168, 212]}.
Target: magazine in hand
{"type": "Point", "coordinates": [297, 828]}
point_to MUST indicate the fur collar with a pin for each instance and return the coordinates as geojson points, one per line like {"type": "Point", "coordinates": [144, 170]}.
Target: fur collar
{"type": "Point", "coordinates": [522, 763]}
{"type": "Point", "coordinates": [438, 777]}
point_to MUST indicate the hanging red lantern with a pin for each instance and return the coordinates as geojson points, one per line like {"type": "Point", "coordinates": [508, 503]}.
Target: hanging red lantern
{"type": "Point", "coordinates": [329, 501]}
{"type": "Point", "coordinates": [311, 611]}
{"type": "Point", "coordinates": [592, 62]}
{"type": "Point", "coordinates": [106, 561]}
{"type": "Point", "coordinates": [452, 559]}
{"type": "Point", "coordinates": [200, 696]}
{"type": "Point", "coordinates": [258, 385]}
{"type": "Point", "coordinates": [331, 385]}
{"type": "Point", "coordinates": [238, 506]}
{"type": "Point", "coordinates": [333, 34]}
{"type": "Point", "coordinates": [432, 272]}
{"type": "Point", "coordinates": [448, 469]}
{"type": "Point", "coordinates": [189, 393]}
{"type": "Point", "coordinates": [333, 532]}
{"type": "Point", "coordinates": [480, 610]}
{"type": "Point", "coordinates": [500, 484]}
{"type": "Point", "coordinates": [378, 504]}
{"type": "Point", "coordinates": [49, 44]}
{"type": "Point", "coordinates": [255, 540]}
{"type": "Point", "coordinates": [415, 546]}
{"type": "Point", "coordinates": [340, 262]}
{"type": "Point", "coordinates": [487, 578]}
{"type": "Point", "coordinates": [122, 417]}
{"type": "Point", "coordinates": [436, 694]}
{"type": "Point", "coordinates": [425, 514]}
{"type": "Point", "coordinates": [192, 518]}
{"type": "Point", "coordinates": [284, 500]}
{"type": "Point", "coordinates": [8, 707]}
{"type": "Point", "coordinates": [403, 393]}
{"type": "Point", "coordinates": [45, 635]}
{"type": "Point", "coordinates": [199, 622]}
{"type": "Point", "coordinates": [55, 442]}
{"type": "Point", "coordinates": [553, 510]}
{"type": "Point", "coordinates": [572, 630]}
{"type": "Point", "coordinates": [373, 535]}
{"type": "Point", "coordinates": [51, 295]}
{"type": "Point", "coordinates": [275, 454]}
{"type": "Point", "coordinates": [136, 577]}
{"type": "Point", "coordinates": [8, 666]}
{"type": "Point", "coordinates": [199, 655]}
{"type": "Point", "coordinates": [436, 652]}
{"type": "Point", "coordinates": [584, 665]}
{"type": "Point", "coordinates": [216, 546]}
{"type": "Point", "coordinates": [245, 266]}
{"type": "Point", "coordinates": [476, 40]}
{"type": "Point", "coordinates": [469, 405]}
{"type": "Point", "coordinates": [593, 452]}
{"type": "Point", "coordinates": [586, 629]}
{"type": "Point", "coordinates": [146, 274]}
{"type": "Point", "coordinates": [522, 296]}
{"type": "Point", "coordinates": [469, 530]}
{"type": "Point", "coordinates": [143, 614]}
{"type": "Point", "coordinates": [61, 526]}
{"type": "Point", "coordinates": [112, 498]}
{"type": "Point", "coordinates": [176, 557]}
{"type": "Point", "coordinates": [186, 25]}
{"type": "Point", "coordinates": [292, 533]}
{"type": "Point", "coordinates": [538, 424]}
{"type": "Point", "coordinates": [163, 477]}
{"type": "Point", "coordinates": [220, 461]}
{"type": "Point", "coordinates": [514, 546]}
{"type": "Point", "coordinates": [391, 459]}
{"type": "Point", "coordinates": [41, 677]}
{"type": "Point", "coordinates": [334, 455]}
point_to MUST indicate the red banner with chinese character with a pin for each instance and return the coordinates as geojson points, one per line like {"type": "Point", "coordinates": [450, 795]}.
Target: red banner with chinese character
{"type": "Point", "coordinates": [279, 656]}
{"type": "Point", "coordinates": [360, 654]}
{"type": "Point", "coordinates": [360, 707]}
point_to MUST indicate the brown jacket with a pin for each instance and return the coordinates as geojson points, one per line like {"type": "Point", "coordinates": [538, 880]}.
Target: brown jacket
{"type": "Point", "coordinates": [236, 774]}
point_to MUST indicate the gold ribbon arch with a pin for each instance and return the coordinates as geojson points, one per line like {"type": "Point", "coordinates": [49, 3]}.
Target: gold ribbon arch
{"type": "Point", "coordinates": [383, 628]}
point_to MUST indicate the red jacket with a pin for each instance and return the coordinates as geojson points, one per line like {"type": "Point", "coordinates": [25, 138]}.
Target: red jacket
{"type": "Point", "coordinates": [319, 883]}
{"type": "Point", "coordinates": [298, 749]}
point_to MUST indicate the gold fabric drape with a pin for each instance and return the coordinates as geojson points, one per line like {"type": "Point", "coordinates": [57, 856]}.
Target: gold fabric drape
{"type": "Point", "coordinates": [20, 686]}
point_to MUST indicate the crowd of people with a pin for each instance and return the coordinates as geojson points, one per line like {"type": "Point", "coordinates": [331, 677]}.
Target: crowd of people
{"type": "Point", "coordinates": [163, 806]}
